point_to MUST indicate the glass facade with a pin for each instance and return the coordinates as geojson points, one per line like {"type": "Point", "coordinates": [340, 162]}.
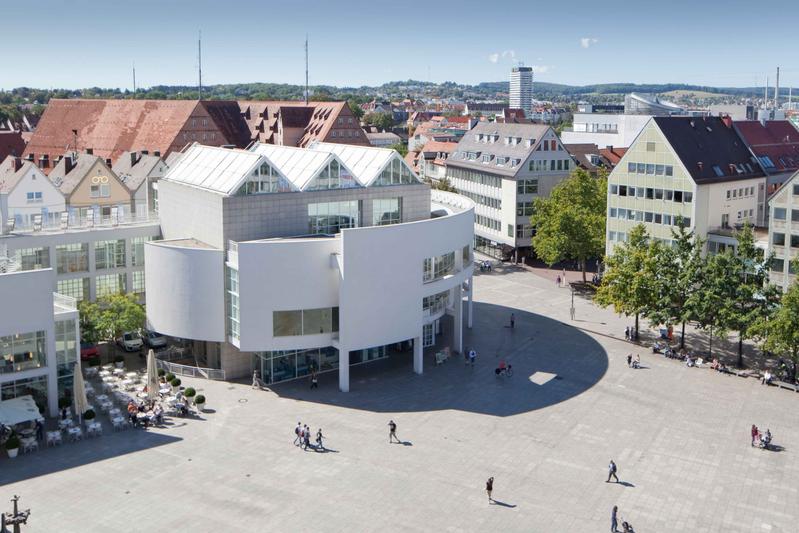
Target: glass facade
{"type": "Point", "coordinates": [32, 258]}
{"type": "Point", "coordinates": [434, 268]}
{"type": "Point", "coordinates": [138, 282]}
{"type": "Point", "coordinates": [137, 250]}
{"type": "Point", "coordinates": [35, 387]}
{"type": "Point", "coordinates": [304, 322]}
{"type": "Point", "coordinates": [386, 211]}
{"type": "Point", "coordinates": [435, 303]}
{"type": "Point", "coordinates": [109, 254]}
{"type": "Point", "coordinates": [66, 353]}
{"type": "Point", "coordinates": [23, 351]}
{"type": "Point", "coordinates": [332, 217]}
{"type": "Point", "coordinates": [265, 180]}
{"type": "Point", "coordinates": [333, 176]}
{"type": "Point", "coordinates": [285, 365]}
{"type": "Point", "coordinates": [72, 258]}
{"type": "Point", "coordinates": [395, 173]}
{"type": "Point", "coordinates": [232, 288]}
{"type": "Point", "coordinates": [110, 284]}
{"type": "Point", "coordinates": [77, 288]}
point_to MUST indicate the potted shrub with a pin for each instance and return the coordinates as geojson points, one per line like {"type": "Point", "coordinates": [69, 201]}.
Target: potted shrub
{"type": "Point", "coordinates": [189, 393]}
{"type": "Point", "coordinates": [161, 372]}
{"type": "Point", "coordinates": [175, 384]}
{"type": "Point", "coordinates": [169, 377]}
{"type": "Point", "coordinates": [64, 403]}
{"type": "Point", "coordinates": [89, 415]}
{"type": "Point", "coordinates": [119, 360]}
{"type": "Point", "coordinates": [12, 446]}
{"type": "Point", "coordinates": [199, 401]}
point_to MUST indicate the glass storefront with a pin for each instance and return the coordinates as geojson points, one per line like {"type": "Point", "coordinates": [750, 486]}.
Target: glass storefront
{"type": "Point", "coordinates": [36, 387]}
{"type": "Point", "coordinates": [24, 351]}
{"type": "Point", "coordinates": [285, 365]}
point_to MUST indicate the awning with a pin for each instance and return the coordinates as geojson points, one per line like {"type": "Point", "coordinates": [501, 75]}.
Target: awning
{"type": "Point", "coordinates": [19, 410]}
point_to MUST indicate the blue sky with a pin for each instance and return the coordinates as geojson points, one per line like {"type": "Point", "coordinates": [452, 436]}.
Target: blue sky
{"type": "Point", "coordinates": [82, 43]}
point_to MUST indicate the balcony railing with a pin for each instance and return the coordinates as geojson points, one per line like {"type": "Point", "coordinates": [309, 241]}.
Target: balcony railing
{"type": "Point", "coordinates": [63, 303]}
{"type": "Point", "coordinates": [76, 223]}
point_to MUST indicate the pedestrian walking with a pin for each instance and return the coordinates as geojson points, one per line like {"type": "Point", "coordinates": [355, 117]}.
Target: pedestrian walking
{"type": "Point", "coordinates": [512, 320]}
{"type": "Point", "coordinates": [614, 521]}
{"type": "Point", "coordinates": [557, 281]}
{"type": "Point", "coordinates": [256, 383]}
{"type": "Point", "coordinates": [629, 359]}
{"type": "Point", "coordinates": [755, 433]}
{"type": "Point", "coordinates": [490, 488]}
{"type": "Point", "coordinates": [39, 430]}
{"type": "Point", "coordinates": [612, 472]}
{"type": "Point", "coordinates": [306, 437]}
{"type": "Point", "coordinates": [627, 333]}
{"type": "Point", "coordinates": [298, 434]}
{"type": "Point", "coordinates": [319, 445]}
{"type": "Point", "coordinates": [392, 432]}
{"type": "Point", "coordinates": [314, 381]}
{"type": "Point", "coordinates": [472, 357]}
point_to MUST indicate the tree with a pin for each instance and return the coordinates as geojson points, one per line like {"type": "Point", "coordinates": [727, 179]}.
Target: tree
{"type": "Point", "coordinates": [710, 301]}
{"type": "Point", "coordinates": [570, 224]}
{"type": "Point", "coordinates": [357, 111]}
{"type": "Point", "coordinates": [629, 281]}
{"type": "Point", "coordinates": [678, 269]}
{"type": "Point", "coordinates": [780, 331]}
{"type": "Point", "coordinates": [753, 296]}
{"type": "Point", "coordinates": [120, 313]}
{"type": "Point", "coordinates": [400, 147]}
{"type": "Point", "coordinates": [89, 317]}
{"type": "Point", "coordinates": [382, 121]}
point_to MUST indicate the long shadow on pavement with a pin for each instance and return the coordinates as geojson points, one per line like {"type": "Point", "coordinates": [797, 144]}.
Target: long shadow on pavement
{"type": "Point", "coordinates": [566, 362]}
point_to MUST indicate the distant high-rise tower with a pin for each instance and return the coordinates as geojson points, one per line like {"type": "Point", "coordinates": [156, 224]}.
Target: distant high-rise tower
{"type": "Point", "coordinates": [521, 89]}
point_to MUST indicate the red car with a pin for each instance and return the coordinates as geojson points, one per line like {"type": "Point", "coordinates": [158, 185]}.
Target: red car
{"type": "Point", "coordinates": [88, 350]}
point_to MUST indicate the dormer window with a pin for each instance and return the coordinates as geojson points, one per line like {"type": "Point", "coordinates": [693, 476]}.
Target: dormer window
{"type": "Point", "coordinates": [502, 161]}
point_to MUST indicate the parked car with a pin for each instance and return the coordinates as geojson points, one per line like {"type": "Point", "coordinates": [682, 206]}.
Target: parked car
{"type": "Point", "coordinates": [154, 339]}
{"type": "Point", "coordinates": [88, 350]}
{"type": "Point", "coordinates": [131, 341]}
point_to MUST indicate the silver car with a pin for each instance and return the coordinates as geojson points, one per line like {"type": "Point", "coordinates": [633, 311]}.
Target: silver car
{"type": "Point", "coordinates": [154, 339]}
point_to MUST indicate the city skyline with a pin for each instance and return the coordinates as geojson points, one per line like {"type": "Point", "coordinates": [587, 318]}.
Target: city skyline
{"type": "Point", "coordinates": [71, 50]}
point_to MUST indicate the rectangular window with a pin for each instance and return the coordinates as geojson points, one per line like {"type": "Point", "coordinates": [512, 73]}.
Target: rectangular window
{"type": "Point", "coordinates": [658, 194]}
{"type": "Point", "coordinates": [622, 214]}
{"type": "Point", "coordinates": [650, 147]}
{"type": "Point", "coordinates": [109, 254]}
{"type": "Point", "coordinates": [286, 323]}
{"type": "Point", "coordinates": [436, 303]}
{"type": "Point", "coordinates": [688, 197]}
{"type": "Point", "coordinates": [524, 209]}
{"type": "Point", "coordinates": [794, 241]}
{"type": "Point", "coordinates": [659, 169]}
{"type": "Point", "coordinates": [622, 190]}
{"type": "Point", "coordinates": [777, 264]}
{"type": "Point", "coordinates": [137, 250]}
{"type": "Point", "coordinates": [794, 215]}
{"type": "Point", "coordinates": [552, 165]}
{"type": "Point", "coordinates": [678, 196]}
{"type": "Point", "coordinates": [639, 192]}
{"type": "Point", "coordinates": [648, 217]}
{"type": "Point", "coordinates": [667, 220]}
{"type": "Point", "coordinates": [650, 193]}
{"type": "Point", "coordinates": [32, 258]}
{"type": "Point", "coordinates": [779, 213]}
{"type": "Point", "coordinates": [77, 288]}
{"type": "Point", "coordinates": [611, 235]}
{"type": "Point", "coordinates": [613, 212]}
{"type": "Point", "coordinates": [110, 284]}
{"type": "Point", "coordinates": [779, 239]}
{"type": "Point", "coordinates": [631, 168]}
{"type": "Point", "coordinates": [630, 191]}
{"type": "Point", "coordinates": [669, 170]}
{"type": "Point", "coordinates": [614, 189]}
{"type": "Point", "coordinates": [72, 258]}
{"type": "Point", "coordinates": [510, 230]}
{"type": "Point", "coordinates": [386, 211]}
{"type": "Point", "coordinates": [669, 195]}
{"type": "Point", "coordinates": [232, 289]}
{"type": "Point", "coordinates": [658, 218]}
{"type": "Point", "coordinates": [796, 190]}
{"type": "Point", "coordinates": [641, 168]}
{"type": "Point", "coordinates": [331, 217]}
{"type": "Point", "coordinates": [24, 351]}
{"type": "Point", "coordinates": [138, 282]}
{"type": "Point", "coordinates": [304, 322]}
{"type": "Point", "coordinates": [650, 169]}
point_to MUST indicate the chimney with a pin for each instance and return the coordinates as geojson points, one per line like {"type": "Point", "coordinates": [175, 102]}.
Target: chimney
{"type": "Point", "coordinates": [145, 152]}
{"type": "Point", "coordinates": [17, 166]}
{"type": "Point", "coordinates": [90, 151]}
{"type": "Point", "coordinates": [133, 158]}
{"type": "Point", "coordinates": [69, 164]}
{"type": "Point", "coordinates": [31, 156]}
{"type": "Point", "coordinates": [732, 169]}
{"type": "Point", "coordinates": [157, 153]}
{"type": "Point", "coordinates": [108, 162]}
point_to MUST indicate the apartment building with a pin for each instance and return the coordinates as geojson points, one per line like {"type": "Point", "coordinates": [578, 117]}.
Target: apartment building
{"type": "Point", "coordinates": [31, 198]}
{"type": "Point", "coordinates": [783, 232]}
{"type": "Point", "coordinates": [695, 168]}
{"type": "Point", "coordinates": [503, 168]}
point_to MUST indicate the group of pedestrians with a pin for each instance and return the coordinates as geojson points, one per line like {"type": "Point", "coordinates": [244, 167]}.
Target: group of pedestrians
{"type": "Point", "coordinates": [634, 363]}
{"type": "Point", "coordinates": [302, 437]}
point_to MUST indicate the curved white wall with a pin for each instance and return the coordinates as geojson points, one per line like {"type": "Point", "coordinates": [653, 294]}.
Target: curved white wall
{"type": "Point", "coordinates": [185, 291]}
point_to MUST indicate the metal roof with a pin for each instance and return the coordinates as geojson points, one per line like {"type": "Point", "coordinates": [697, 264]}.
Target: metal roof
{"type": "Point", "coordinates": [221, 170]}
{"type": "Point", "coordinates": [365, 162]}
{"type": "Point", "coordinates": [298, 165]}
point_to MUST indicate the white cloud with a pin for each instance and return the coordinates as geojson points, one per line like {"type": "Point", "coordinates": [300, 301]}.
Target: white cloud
{"type": "Point", "coordinates": [493, 57]}
{"type": "Point", "coordinates": [586, 42]}
{"type": "Point", "coordinates": [511, 54]}
{"type": "Point", "coordinates": [541, 69]}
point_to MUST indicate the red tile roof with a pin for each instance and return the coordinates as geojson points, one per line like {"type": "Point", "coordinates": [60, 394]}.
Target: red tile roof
{"type": "Point", "coordinates": [439, 146]}
{"type": "Point", "coordinates": [11, 143]}
{"type": "Point", "coordinates": [778, 140]}
{"type": "Point", "coordinates": [613, 154]}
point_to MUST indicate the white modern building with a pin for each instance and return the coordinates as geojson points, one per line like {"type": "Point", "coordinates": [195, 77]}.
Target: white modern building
{"type": "Point", "coordinates": [783, 232]}
{"type": "Point", "coordinates": [289, 260]}
{"type": "Point", "coordinates": [39, 338]}
{"type": "Point", "coordinates": [605, 129]}
{"type": "Point", "coordinates": [521, 89]}
{"type": "Point", "coordinates": [503, 168]}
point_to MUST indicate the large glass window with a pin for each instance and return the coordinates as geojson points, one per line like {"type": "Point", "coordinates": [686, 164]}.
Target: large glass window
{"type": "Point", "coordinates": [138, 282]}
{"type": "Point", "coordinates": [35, 387]}
{"type": "Point", "coordinates": [32, 258]}
{"type": "Point", "coordinates": [779, 213]}
{"type": "Point", "coordinates": [524, 209]}
{"type": "Point", "coordinates": [72, 258]}
{"type": "Point", "coordinates": [109, 254]}
{"type": "Point", "coordinates": [386, 211]}
{"type": "Point", "coordinates": [527, 186]}
{"type": "Point", "coordinates": [137, 250]}
{"type": "Point", "coordinates": [66, 347]}
{"type": "Point", "coordinates": [332, 217]}
{"type": "Point", "coordinates": [304, 322]}
{"type": "Point", "coordinates": [395, 173]}
{"type": "Point", "coordinates": [23, 351]}
{"type": "Point", "coordinates": [332, 176]}
{"type": "Point", "coordinates": [232, 286]}
{"type": "Point", "coordinates": [77, 288]}
{"type": "Point", "coordinates": [434, 268]}
{"type": "Point", "coordinates": [265, 179]}
{"type": "Point", "coordinates": [110, 284]}
{"type": "Point", "coordinates": [435, 303]}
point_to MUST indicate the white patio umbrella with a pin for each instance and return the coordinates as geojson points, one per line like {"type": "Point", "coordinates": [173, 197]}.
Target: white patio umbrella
{"type": "Point", "coordinates": [152, 377]}
{"type": "Point", "coordinates": [79, 401]}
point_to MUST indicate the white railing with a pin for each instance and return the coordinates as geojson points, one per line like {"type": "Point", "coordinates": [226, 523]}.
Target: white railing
{"type": "Point", "coordinates": [8, 265]}
{"type": "Point", "coordinates": [75, 223]}
{"type": "Point", "coordinates": [164, 360]}
{"type": "Point", "coordinates": [62, 302]}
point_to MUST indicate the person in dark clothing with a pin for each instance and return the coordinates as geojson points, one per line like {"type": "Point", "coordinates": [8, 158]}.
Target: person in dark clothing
{"type": "Point", "coordinates": [614, 521]}
{"type": "Point", "coordinates": [392, 432]}
{"type": "Point", "coordinates": [612, 472]}
{"type": "Point", "coordinates": [314, 382]}
{"type": "Point", "coordinates": [39, 430]}
{"type": "Point", "coordinates": [490, 488]}
{"type": "Point", "coordinates": [512, 321]}
{"type": "Point", "coordinates": [629, 359]}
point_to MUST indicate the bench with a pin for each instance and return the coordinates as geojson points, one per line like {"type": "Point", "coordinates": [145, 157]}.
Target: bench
{"type": "Point", "coordinates": [786, 386]}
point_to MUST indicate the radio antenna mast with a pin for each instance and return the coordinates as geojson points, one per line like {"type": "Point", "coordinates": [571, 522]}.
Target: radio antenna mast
{"type": "Point", "coordinates": [134, 79]}
{"type": "Point", "coordinates": [306, 69]}
{"type": "Point", "coordinates": [200, 64]}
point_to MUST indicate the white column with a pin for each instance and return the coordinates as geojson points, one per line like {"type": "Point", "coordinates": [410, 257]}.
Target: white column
{"type": "Point", "coordinates": [418, 355]}
{"type": "Point", "coordinates": [471, 295]}
{"type": "Point", "coordinates": [457, 333]}
{"type": "Point", "coordinates": [343, 369]}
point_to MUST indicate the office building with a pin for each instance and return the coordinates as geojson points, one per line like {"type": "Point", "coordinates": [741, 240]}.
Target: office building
{"type": "Point", "coordinates": [521, 89]}
{"type": "Point", "coordinates": [503, 168]}
{"type": "Point", "coordinates": [783, 232]}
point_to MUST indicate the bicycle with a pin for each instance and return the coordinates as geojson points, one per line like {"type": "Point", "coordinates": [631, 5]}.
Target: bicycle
{"type": "Point", "coordinates": [507, 371]}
